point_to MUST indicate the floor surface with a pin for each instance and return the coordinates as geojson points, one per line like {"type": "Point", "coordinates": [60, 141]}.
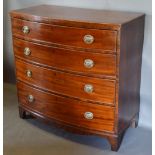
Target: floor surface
{"type": "Point", "coordinates": [32, 137]}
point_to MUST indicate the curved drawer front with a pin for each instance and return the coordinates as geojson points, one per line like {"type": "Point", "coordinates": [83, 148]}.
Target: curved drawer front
{"type": "Point", "coordinates": [86, 88]}
{"type": "Point", "coordinates": [76, 37]}
{"type": "Point", "coordinates": [74, 112]}
{"type": "Point", "coordinates": [63, 59]}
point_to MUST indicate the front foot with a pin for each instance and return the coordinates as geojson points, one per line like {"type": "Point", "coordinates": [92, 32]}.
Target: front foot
{"type": "Point", "coordinates": [115, 142]}
{"type": "Point", "coordinates": [22, 113]}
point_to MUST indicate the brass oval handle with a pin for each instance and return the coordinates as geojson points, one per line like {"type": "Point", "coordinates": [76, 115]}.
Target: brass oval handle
{"type": "Point", "coordinates": [29, 73]}
{"type": "Point", "coordinates": [88, 88]}
{"type": "Point", "coordinates": [88, 63]}
{"type": "Point", "coordinates": [26, 29]}
{"type": "Point", "coordinates": [88, 39]}
{"type": "Point", "coordinates": [88, 115]}
{"type": "Point", "coordinates": [27, 51]}
{"type": "Point", "coordinates": [30, 98]}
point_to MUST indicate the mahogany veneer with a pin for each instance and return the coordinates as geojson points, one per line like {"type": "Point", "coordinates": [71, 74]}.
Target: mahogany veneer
{"type": "Point", "coordinates": [68, 36]}
{"type": "Point", "coordinates": [67, 84]}
{"type": "Point", "coordinates": [54, 108]}
{"type": "Point", "coordinates": [79, 68]}
{"type": "Point", "coordinates": [59, 58]}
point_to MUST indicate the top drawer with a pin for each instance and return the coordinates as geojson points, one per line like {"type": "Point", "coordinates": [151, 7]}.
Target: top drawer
{"type": "Point", "coordinates": [104, 40]}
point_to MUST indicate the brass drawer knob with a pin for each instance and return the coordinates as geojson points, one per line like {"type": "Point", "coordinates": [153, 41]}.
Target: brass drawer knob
{"type": "Point", "coordinates": [88, 39]}
{"type": "Point", "coordinates": [30, 98]}
{"type": "Point", "coordinates": [25, 29]}
{"type": "Point", "coordinates": [88, 88]}
{"type": "Point", "coordinates": [88, 63]}
{"type": "Point", "coordinates": [29, 73]}
{"type": "Point", "coordinates": [27, 51]}
{"type": "Point", "coordinates": [88, 115]}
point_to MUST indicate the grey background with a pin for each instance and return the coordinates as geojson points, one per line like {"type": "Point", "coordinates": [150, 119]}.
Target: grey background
{"type": "Point", "coordinates": [144, 6]}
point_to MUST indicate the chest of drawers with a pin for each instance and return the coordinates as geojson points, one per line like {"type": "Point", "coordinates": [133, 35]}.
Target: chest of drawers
{"type": "Point", "coordinates": [79, 68]}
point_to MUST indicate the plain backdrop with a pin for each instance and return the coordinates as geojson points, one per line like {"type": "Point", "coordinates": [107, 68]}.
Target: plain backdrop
{"type": "Point", "coordinates": [144, 6]}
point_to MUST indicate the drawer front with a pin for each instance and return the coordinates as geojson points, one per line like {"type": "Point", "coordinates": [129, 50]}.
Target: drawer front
{"type": "Point", "coordinates": [74, 112]}
{"type": "Point", "coordinates": [63, 59]}
{"type": "Point", "coordinates": [85, 88]}
{"type": "Point", "coordinates": [76, 37]}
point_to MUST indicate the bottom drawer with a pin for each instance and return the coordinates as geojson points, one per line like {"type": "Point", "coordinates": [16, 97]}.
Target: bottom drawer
{"type": "Point", "coordinates": [67, 110]}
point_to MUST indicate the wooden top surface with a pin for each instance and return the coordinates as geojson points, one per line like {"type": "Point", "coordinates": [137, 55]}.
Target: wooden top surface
{"type": "Point", "coordinates": [50, 13]}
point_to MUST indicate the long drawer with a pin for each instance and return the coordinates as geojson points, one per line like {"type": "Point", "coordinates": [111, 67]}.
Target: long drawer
{"type": "Point", "coordinates": [82, 87]}
{"type": "Point", "coordinates": [67, 110]}
{"type": "Point", "coordinates": [69, 60]}
{"type": "Point", "coordinates": [104, 40]}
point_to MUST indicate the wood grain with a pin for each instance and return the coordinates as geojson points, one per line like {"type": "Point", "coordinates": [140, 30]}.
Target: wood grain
{"type": "Point", "coordinates": [67, 60]}
{"type": "Point", "coordinates": [132, 35]}
{"type": "Point", "coordinates": [58, 75]}
{"type": "Point", "coordinates": [44, 33]}
{"type": "Point", "coordinates": [76, 17]}
{"type": "Point", "coordinates": [67, 84]}
{"type": "Point", "coordinates": [67, 110]}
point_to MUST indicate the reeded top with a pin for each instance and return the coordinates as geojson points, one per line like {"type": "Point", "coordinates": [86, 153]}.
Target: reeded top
{"type": "Point", "coordinates": [75, 16]}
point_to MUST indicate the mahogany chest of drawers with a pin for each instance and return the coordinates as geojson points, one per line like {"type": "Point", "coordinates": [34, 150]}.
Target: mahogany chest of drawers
{"type": "Point", "coordinates": [79, 68]}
